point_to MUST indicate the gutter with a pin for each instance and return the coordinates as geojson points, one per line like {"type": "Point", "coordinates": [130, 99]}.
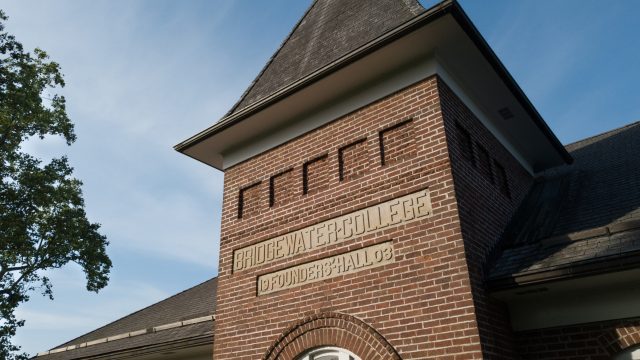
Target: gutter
{"type": "Point", "coordinates": [572, 271]}
{"type": "Point", "coordinates": [435, 12]}
{"type": "Point", "coordinates": [593, 266]}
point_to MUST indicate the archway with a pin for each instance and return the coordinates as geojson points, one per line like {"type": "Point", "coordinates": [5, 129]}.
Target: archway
{"type": "Point", "coordinates": [330, 332]}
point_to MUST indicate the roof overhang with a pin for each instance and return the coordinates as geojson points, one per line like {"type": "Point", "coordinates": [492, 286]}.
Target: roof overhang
{"type": "Point", "coordinates": [599, 297]}
{"type": "Point", "coordinates": [584, 253]}
{"type": "Point", "coordinates": [609, 264]}
{"type": "Point", "coordinates": [443, 30]}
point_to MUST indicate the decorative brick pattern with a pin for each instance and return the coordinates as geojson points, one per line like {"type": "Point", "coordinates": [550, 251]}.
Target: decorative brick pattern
{"type": "Point", "coordinates": [331, 329]}
{"type": "Point", "coordinates": [484, 213]}
{"type": "Point", "coordinates": [484, 163]}
{"type": "Point", "coordinates": [397, 143]}
{"type": "Point", "coordinates": [250, 201]}
{"type": "Point", "coordinates": [282, 188]}
{"type": "Point", "coordinates": [353, 160]}
{"type": "Point", "coordinates": [422, 303]}
{"type": "Point", "coordinates": [465, 143]}
{"type": "Point", "coordinates": [315, 175]}
{"type": "Point", "coordinates": [594, 341]}
{"type": "Point", "coordinates": [501, 179]}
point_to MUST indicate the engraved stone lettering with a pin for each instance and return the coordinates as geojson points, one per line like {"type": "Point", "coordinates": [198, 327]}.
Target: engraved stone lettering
{"type": "Point", "coordinates": [395, 213]}
{"type": "Point", "coordinates": [407, 206]}
{"type": "Point", "coordinates": [359, 223]}
{"type": "Point", "coordinates": [343, 264]}
{"type": "Point", "coordinates": [332, 232]}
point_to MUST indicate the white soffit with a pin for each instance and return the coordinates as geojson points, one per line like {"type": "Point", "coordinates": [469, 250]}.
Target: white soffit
{"type": "Point", "coordinates": [575, 301]}
{"type": "Point", "coordinates": [465, 67]}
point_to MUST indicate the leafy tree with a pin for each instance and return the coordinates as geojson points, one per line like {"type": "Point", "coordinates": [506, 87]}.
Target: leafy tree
{"type": "Point", "coordinates": [43, 224]}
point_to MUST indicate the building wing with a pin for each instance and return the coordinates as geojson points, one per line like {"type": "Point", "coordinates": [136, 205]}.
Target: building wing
{"type": "Point", "coordinates": [579, 219]}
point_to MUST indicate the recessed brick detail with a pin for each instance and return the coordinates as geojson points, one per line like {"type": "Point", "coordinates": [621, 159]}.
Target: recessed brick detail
{"type": "Point", "coordinates": [484, 213]}
{"type": "Point", "coordinates": [250, 200]}
{"type": "Point", "coordinates": [331, 329]}
{"type": "Point", "coordinates": [282, 188]}
{"type": "Point", "coordinates": [315, 174]}
{"type": "Point", "coordinates": [501, 179]}
{"type": "Point", "coordinates": [464, 143]}
{"type": "Point", "coordinates": [353, 160]}
{"type": "Point", "coordinates": [484, 163]}
{"type": "Point", "coordinates": [397, 143]}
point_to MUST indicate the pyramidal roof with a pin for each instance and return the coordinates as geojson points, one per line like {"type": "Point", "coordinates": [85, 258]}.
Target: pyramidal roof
{"type": "Point", "coordinates": [329, 30]}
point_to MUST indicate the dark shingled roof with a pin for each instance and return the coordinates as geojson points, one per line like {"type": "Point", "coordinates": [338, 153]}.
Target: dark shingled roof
{"type": "Point", "coordinates": [329, 30]}
{"type": "Point", "coordinates": [578, 219]}
{"type": "Point", "coordinates": [182, 337]}
{"type": "Point", "coordinates": [196, 302]}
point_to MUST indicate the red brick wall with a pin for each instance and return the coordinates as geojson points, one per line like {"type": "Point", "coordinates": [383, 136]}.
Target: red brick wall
{"type": "Point", "coordinates": [489, 185]}
{"type": "Point", "coordinates": [595, 341]}
{"type": "Point", "coordinates": [422, 303]}
{"type": "Point", "coordinates": [353, 160]}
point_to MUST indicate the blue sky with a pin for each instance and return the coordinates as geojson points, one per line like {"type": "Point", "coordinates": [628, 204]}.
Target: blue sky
{"type": "Point", "coordinates": [143, 75]}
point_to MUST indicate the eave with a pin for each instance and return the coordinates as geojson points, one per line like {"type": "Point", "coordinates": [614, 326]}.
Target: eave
{"type": "Point", "coordinates": [568, 272]}
{"type": "Point", "coordinates": [218, 142]}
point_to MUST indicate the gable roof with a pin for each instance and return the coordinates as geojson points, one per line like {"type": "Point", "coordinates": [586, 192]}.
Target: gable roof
{"type": "Point", "coordinates": [184, 317]}
{"type": "Point", "coordinates": [579, 218]}
{"type": "Point", "coordinates": [327, 31]}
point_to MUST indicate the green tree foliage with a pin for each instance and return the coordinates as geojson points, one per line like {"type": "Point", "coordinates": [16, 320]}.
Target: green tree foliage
{"type": "Point", "coordinates": [43, 224]}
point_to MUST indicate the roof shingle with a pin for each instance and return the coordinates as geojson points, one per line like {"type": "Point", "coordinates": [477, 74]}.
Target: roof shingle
{"type": "Point", "coordinates": [585, 213]}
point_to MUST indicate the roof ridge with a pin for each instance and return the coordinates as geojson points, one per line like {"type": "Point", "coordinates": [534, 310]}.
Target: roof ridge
{"type": "Point", "coordinates": [273, 56]}
{"type": "Point", "coordinates": [629, 125]}
{"type": "Point", "coordinates": [133, 313]}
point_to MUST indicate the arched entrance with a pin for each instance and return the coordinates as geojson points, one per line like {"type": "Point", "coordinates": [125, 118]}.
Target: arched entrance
{"type": "Point", "coordinates": [327, 336]}
{"type": "Point", "coordinates": [329, 353]}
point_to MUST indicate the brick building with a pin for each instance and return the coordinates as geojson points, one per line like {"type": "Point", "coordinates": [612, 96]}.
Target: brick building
{"type": "Point", "coordinates": [391, 193]}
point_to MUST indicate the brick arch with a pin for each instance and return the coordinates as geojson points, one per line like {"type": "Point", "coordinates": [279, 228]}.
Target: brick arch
{"type": "Point", "coordinates": [331, 329]}
{"type": "Point", "coordinates": [621, 339]}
